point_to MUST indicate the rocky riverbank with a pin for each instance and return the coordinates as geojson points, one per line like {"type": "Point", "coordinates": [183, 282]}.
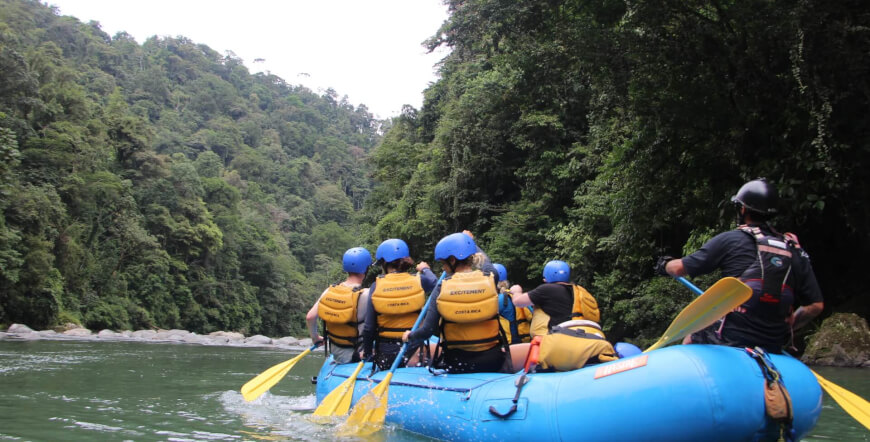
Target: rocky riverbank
{"type": "Point", "coordinates": [843, 340]}
{"type": "Point", "coordinates": [22, 332]}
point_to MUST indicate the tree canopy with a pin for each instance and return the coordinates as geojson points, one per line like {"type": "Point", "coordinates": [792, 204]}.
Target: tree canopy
{"type": "Point", "coordinates": [607, 133]}
{"type": "Point", "coordinates": [163, 185]}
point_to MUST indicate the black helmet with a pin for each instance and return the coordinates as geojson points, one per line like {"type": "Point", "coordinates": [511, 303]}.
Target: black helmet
{"type": "Point", "coordinates": [758, 196]}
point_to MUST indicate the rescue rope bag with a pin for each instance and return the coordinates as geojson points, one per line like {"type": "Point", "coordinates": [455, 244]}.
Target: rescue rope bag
{"type": "Point", "coordinates": [338, 310]}
{"type": "Point", "coordinates": [777, 400]}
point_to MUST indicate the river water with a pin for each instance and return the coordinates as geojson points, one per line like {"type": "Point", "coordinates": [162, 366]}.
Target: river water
{"type": "Point", "coordinates": [82, 390]}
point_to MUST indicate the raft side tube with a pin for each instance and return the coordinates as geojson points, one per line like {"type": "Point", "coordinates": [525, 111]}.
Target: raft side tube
{"type": "Point", "coordinates": [696, 392]}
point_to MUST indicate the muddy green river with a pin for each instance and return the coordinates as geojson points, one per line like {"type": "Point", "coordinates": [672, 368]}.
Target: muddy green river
{"type": "Point", "coordinates": [105, 391]}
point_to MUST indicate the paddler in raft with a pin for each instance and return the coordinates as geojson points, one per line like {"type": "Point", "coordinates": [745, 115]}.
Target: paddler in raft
{"type": "Point", "coordinates": [564, 323]}
{"type": "Point", "coordinates": [515, 321]}
{"type": "Point", "coordinates": [397, 296]}
{"type": "Point", "coordinates": [342, 309]}
{"type": "Point", "coordinates": [785, 293]}
{"type": "Point", "coordinates": [466, 313]}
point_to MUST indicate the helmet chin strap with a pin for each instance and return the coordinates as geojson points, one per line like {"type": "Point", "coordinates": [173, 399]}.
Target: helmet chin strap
{"type": "Point", "coordinates": [741, 214]}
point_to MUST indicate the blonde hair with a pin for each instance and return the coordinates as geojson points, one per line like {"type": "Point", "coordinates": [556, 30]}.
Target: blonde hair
{"type": "Point", "coordinates": [477, 261]}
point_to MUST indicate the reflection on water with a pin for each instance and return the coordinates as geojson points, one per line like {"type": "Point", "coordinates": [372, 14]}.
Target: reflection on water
{"type": "Point", "coordinates": [65, 390]}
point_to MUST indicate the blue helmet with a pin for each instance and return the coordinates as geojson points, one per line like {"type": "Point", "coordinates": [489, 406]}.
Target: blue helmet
{"type": "Point", "coordinates": [625, 350]}
{"type": "Point", "coordinates": [356, 260]}
{"type": "Point", "coordinates": [391, 250]}
{"type": "Point", "coordinates": [458, 245]}
{"type": "Point", "coordinates": [502, 272]}
{"type": "Point", "coordinates": [557, 271]}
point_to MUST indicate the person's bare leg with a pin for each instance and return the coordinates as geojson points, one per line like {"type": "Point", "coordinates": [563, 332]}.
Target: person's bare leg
{"type": "Point", "coordinates": [518, 355]}
{"type": "Point", "coordinates": [417, 356]}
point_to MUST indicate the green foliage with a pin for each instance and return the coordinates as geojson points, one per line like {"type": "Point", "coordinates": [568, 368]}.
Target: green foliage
{"type": "Point", "coordinates": [162, 185]}
{"type": "Point", "coordinates": [609, 133]}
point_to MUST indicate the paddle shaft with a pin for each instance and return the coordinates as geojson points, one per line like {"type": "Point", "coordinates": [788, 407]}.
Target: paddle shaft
{"type": "Point", "coordinates": [688, 284]}
{"type": "Point", "coordinates": [369, 413]}
{"type": "Point", "coordinates": [420, 317]}
{"type": "Point", "coordinates": [265, 380]}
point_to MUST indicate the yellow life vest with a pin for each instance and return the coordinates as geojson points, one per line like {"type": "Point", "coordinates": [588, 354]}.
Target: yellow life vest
{"type": "Point", "coordinates": [572, 344]}
{"type": "Point", "coordinates": [540, 324]}
{"type": "Point", "coordinates": [338, 310]}
{"type": "Point", "coordinates": [397, 300]}
{"type": "Point", "coordinates": [585, 306]}
{"type": "Point", "coordinates": [522, 319]}
{"type": "Point", "coordinates": [468, 304]}
{"type": "Point", "coordinates": [505, 327]}
{"type": "Point", "coordinates": [524, 324]}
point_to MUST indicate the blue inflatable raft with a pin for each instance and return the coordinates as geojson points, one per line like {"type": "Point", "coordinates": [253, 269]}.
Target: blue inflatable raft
{"type": "Point", "coordinates": [684, 392]}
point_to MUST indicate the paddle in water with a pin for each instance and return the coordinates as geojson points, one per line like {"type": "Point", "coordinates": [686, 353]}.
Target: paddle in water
{"type": "Point", "coordinates": [853, 404]}
{"type": "Point", "coordinates": [722, 297]}
{"type": "Point", "coordinates": [267, 379]}
{"type": "Point", "coordinates": [368, 415]}
{"type": "Point", "coordinates": [337, 402]}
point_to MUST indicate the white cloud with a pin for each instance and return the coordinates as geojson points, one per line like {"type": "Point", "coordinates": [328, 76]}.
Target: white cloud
{"type": "Point", "coordinates": [369, 50]}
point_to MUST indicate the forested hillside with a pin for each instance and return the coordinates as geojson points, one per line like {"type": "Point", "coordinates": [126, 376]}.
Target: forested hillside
{"type": "Point", "coordinates": [162, 185]}
{"type": "Point", "coordinates": [607, 133]}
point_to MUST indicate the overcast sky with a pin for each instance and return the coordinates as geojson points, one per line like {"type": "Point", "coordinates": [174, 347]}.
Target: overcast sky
{"type": "Point", "coordinates": [369, 50]}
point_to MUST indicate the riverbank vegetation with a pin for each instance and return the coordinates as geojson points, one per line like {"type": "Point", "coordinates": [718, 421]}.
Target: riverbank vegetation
{"type": "Point", "coordinates": [162, 185]}
{"type": "Point", "coordinates": [607, 133]}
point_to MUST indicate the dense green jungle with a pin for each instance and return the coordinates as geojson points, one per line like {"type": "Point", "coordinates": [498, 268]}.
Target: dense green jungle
{"type": "Point", "coordinates": [163, 185]}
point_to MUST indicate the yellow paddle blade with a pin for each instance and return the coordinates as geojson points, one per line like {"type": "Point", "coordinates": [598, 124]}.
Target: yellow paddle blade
{"type": "Point", "coordinates": [853, 404]}
{"type": "Point", "coordinates": [265, 380]}
{"type": "Point", "coordinates": [337, 402]}
{"type": "Point", "coordinates": [722, 297]}
{"type": "Point", "coordinates": [368, 415]}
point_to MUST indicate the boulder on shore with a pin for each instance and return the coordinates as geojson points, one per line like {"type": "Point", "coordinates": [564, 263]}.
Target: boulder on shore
{"type": "Point", "coordinates": [19, 328]}
{"type": "Point", "coordinates": [172, 335]}
{"type": "Point", "coordinates": [144, 334]}
{"type": "Point", "coordinates": [232, 336]}
{"type": "Point", "coordinates": [78, 332]}
{"type": "Point", "coordinates": [23, 332]}
{"type": "Point", "coordinates": [258, 339]}
{"type": "Point", "coordinates": [843, 340]}
{"type": "Point", "coordinates": [287, 340]}
{"type": "Point", "coordinates": [106, 333]}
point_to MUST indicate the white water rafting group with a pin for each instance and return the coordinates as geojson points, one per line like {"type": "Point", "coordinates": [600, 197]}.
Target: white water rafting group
{"type": "Point", "coordinates": [479, 359]}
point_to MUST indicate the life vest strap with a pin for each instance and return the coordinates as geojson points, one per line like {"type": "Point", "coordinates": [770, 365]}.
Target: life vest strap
{"type": "Point", "coordinates": [577, 333]}
{"type": "Point", "coordinates": [777, 401]}
{"type": "Point", "coordinates": [389, 329]}
{"type": "Point", "coordinates": [471, 341]}
{"type": "Point", "coordinates": [333, 337]}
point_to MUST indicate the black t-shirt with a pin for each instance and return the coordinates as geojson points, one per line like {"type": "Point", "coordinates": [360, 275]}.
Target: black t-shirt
{"type": "Point", "coordinates": [556, 300]}
{"type": "Point", "coordinates": [735, 251]}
